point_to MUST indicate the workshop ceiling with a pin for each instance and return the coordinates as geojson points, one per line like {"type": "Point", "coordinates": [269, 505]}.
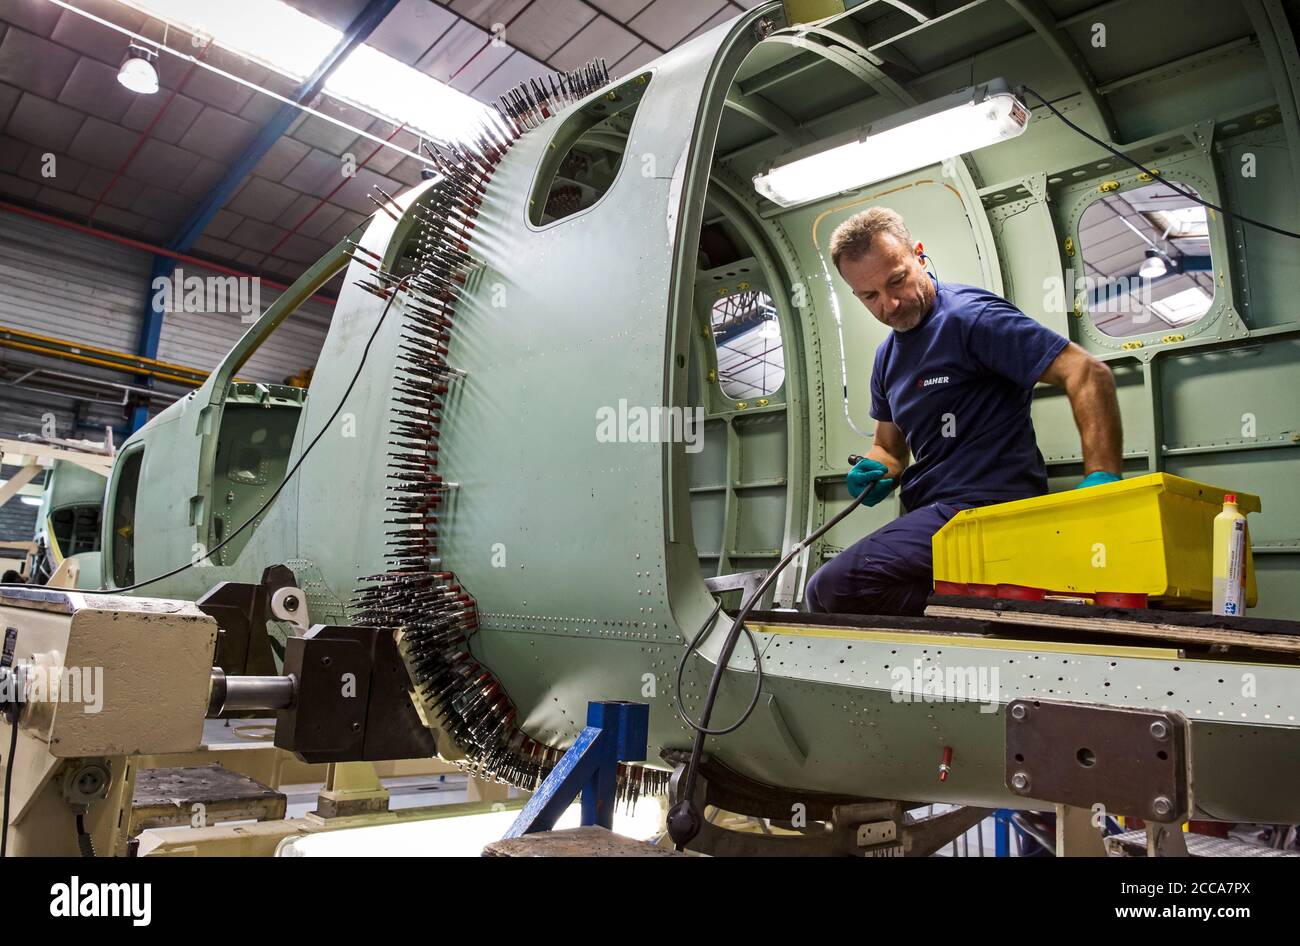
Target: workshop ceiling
{"type": "Point", "coordinates": [139, 165]}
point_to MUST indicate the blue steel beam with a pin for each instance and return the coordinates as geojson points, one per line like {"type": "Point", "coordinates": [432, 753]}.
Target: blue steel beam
{"type": "Point", "coordinates": [151, 329]}
{"type": "Point", "coordinates": [358, 32]}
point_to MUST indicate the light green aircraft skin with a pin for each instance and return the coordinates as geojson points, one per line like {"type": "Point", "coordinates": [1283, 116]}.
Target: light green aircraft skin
{"type": "Point", "coordinates": [68, 484]}
{"type": "Point", "coordinates": [586, 557]}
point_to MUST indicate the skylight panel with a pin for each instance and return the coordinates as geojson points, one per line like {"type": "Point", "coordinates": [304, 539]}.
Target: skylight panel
{"type": "Point", "coordinates": [292, 43]}
{"type": "Point", "coordinates": [1182, 307]}
{"type": "Point", "coordinates": [405, 95]}
{"type": "Point", "coordinates": [266, 31]}
{"type": "Point", "coordinates": [1183, 222]}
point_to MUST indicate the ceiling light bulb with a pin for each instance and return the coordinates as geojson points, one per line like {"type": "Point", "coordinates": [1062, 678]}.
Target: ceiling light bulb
{"type": "Point", "coordinates": [138, 73]}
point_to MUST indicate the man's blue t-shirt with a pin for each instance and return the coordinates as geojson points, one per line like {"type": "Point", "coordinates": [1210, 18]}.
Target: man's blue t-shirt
{"type": "Point", "coordinates": [959, 386]}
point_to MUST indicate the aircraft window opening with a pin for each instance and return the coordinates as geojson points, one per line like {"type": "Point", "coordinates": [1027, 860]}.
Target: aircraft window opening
{"type": "Point", "coordinates": [77, 527]}
{"type": "Point", "coordinates": [122, 510]}
{"type": "Point", "coordinates": [586, 154]}
{"type": "Point", "coordinates": [1147, 261]}
{"type": "Point", "coordinates": [254, 447]}
{"type": "Point", "coordinates": [747, 337]}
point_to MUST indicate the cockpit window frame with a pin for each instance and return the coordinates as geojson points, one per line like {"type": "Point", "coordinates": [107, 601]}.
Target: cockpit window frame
{"type": "Point", "coordinates": [131, 458]}
{"type": "Point", "coordinates": [568, 131]}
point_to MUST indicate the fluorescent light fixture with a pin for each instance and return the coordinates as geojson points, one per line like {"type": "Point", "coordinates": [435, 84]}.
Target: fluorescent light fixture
{"type": "Point", "coordinates": [1154, 266]}
{"type": "Point", "coordinates": [138, 73]}
{"type": "Point", "coordinates": [955, 124]}
{"type": "Point", "coordinates": [31, 500]}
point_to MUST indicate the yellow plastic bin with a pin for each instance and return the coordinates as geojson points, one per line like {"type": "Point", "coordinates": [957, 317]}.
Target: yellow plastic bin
{"type": "Point", "coordinates": [1147, 536]}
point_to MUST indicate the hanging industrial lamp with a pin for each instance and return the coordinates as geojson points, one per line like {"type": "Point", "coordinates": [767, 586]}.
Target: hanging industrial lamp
{"type": "Point", "coordinates": [137, 72]}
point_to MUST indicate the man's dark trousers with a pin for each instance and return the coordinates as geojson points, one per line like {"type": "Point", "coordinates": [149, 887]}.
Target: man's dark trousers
{"type": "Point", "coordinates": [891, 571]}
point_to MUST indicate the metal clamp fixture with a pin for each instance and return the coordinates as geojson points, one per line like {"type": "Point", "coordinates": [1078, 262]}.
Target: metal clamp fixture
{"type": "Point", "coordinates": [1132, 762]}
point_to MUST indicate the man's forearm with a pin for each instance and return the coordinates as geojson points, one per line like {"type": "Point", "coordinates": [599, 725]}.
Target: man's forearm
{"type": "Point", "coordinates": [1096, 414]}
{"type": "Point", "coordinates": [894, 464]}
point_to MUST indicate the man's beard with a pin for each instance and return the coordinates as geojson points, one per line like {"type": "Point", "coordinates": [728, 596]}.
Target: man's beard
{"type": "Point", "coordinates": [905, 321]}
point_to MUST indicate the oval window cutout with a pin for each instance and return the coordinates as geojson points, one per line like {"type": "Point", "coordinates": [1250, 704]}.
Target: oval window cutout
{"type": "Point", "coordinates": [1146, 258]}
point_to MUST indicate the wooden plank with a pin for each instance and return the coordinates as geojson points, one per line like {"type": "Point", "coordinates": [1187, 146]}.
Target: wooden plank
{"type": "Point", "coordinates": [33, 451]}
{"type": "Point", "coordinates": [173, 796]}
{"type": "Point", "coordinates": [1193, 619]}
{"type": "Point", "coordinates": [1208, 636]}
{"type": "Point", "coordinates": [16, 482]}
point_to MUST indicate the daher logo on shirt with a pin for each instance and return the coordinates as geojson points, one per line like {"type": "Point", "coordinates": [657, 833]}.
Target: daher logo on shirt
{"type": "Point", "coordinates": [931, 382]}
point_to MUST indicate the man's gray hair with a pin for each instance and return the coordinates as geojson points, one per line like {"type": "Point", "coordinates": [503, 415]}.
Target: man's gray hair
{"type": "Point", "coordinates": [852, 239]}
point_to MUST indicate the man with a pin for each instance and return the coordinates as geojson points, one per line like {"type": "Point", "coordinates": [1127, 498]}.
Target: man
{"type": "Point", "coordinates": [952, 385]}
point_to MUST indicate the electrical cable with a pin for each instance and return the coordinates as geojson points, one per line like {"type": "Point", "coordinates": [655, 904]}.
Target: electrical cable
{"type": "Point", "coordinates": [701, 727]}
{"type": "Point", "coordinates": [1190, 195]}
{"type": "Point", "coordinates": [9, 781]}
{"type": "Point", "coordinates": [83, 839]}
{"type": "Point", "coordinates": [740, 623]}
{"type": "Point", "coordinates": [683, 814]}
{"type": "Point", "coordinates": [681, 667]}
{"type": "Point", "coordinates": [681, 664]}
{"type": "Point", "coordinates": [399, 285]}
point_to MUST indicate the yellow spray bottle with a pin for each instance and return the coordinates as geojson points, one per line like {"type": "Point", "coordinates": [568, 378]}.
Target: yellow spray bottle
{"type": "Point", "coordinates": [1230, 559]}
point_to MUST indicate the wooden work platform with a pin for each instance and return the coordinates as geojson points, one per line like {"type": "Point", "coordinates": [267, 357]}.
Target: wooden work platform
{"type": "Point", "coordinates": [172, 796]}
{"type": "Point", "coordinates": [1184, 628]}
{"type": "Point", "coordinates": [576, 842]}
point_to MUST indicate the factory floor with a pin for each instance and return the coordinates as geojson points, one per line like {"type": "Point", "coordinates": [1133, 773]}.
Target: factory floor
{"type": "Point", "coordinates": [405, 791]}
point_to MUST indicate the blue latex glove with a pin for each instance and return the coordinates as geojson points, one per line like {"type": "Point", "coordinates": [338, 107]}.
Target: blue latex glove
{"type": "Point", "coordinates": [869, 475]}
{"type": "Point", "coordinates": [1097, 478]}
